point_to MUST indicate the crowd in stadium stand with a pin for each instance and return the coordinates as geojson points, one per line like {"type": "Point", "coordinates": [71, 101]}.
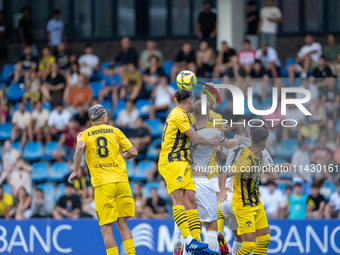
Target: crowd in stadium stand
{"type": "Point", "coordinates": [45, 96]}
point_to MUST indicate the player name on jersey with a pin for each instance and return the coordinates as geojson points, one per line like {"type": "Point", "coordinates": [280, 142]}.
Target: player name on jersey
{"type": "Point", "coordinates": [105, 165]}
{"type": "Point", "coordinates": [101, 131]}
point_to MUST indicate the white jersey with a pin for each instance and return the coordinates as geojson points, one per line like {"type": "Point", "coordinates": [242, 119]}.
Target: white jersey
{"type": "Point", "coordinates": [201, 155]}
{"type": "Point", "coordinates": [234, 153]}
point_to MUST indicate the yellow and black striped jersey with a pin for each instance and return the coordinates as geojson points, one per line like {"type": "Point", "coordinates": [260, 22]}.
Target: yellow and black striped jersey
{"type": "Point", "coordinates": [248, 169]}
{"type": "Point", "coordinates": [175, 144]}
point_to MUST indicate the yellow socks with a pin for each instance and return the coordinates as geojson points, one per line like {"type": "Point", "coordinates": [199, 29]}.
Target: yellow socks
{"type": "Point", "coordinates": [129, 247]}
{"type": "Point", "coordinates": [194, 224]}
{"type": "Point", "coordinates": [261, 245]}
{"type": "Point", "coordinates": [112, 251]}
{"type": "Point", "coordinates": [220, 219]}
{"type": "Point", "coordinates": [180, 218]}
{"type": "Point", "coordinates": [246, 249]}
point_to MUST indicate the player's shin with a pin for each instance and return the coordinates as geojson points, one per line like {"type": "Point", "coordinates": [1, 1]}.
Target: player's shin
{"type": "Point", "coordinates": [220, 218]}
{"type": "Point", "coordinates": [261, 245]}
{"type": "Point", "coordinates": [247, 248]}
{"type": "Point", "coordinates": [194, 224]}
{"type": "Point", "coordinates": [180, 218]}
{"type": "Point", "coordinates": [129, 247]}
{"type": "Point", "coordinates": [211, 239]}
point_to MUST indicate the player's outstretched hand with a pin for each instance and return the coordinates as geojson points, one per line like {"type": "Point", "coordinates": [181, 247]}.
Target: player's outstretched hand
{"type": "Point", "coordinates": [238, 139]}
{"type": "Point", "coordinates": [72, 175]}
{"type": "Point", "coordinates": [222, 196]}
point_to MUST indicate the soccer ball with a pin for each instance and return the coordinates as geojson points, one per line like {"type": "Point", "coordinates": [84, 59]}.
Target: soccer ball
{"type": "Point", "coordinates": [186, 80]}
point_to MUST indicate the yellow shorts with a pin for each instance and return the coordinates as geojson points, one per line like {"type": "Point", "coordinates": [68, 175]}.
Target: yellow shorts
{"type": "Point", "coordinates": [112, 201]}
{"type": "Point", "coordinates": [177, 175]}
{"type": "Point", "coordinates": [250, 218]}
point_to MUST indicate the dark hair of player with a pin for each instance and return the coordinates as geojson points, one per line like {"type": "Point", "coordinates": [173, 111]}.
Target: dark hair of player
{"type": "Point", "coordinates": [259, 135]}
{"type": "Point", "coordinates": [257, 124]}
{"type": "Point", "coordinates": [182, 95]}
{"type": "Point", "coordinates": [198, 110]}
{"type": "Point", "coordinates": [96, 112]}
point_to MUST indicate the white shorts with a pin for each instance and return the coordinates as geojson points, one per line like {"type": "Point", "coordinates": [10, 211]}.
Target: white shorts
{"type": "Point", "coordinates": [214, 183]}
{"type": "Point", "coordinates": [227, 211]}
{"type": "Point", "coordinates": [206, 200]}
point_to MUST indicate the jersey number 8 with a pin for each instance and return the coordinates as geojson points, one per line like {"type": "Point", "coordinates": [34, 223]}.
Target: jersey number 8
{"type": "Point", "coordinates": [102, 149]}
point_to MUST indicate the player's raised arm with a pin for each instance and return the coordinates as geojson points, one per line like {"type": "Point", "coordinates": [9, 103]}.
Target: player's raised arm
{"type": "Point", "coordinates": [273, 171]}
{"type": "Point", "coordinates": [231, 143]}
{"type": "Point", "coordinates": [130, 153]}
{"type": "Point", "coordinates": [78, 156]}
{"type": "Point", "coordinates": [200, 140]}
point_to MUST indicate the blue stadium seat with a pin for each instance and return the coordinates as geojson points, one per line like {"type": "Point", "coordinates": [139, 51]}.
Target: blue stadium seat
{"type": "Point", "coordinates": [0, 158]}
{"type": "Point", "coordinates": [173, 84]}
{"type": "Point", "coordinates": [107, 105]}
{"type": "Point", "coordinates": [7, 72]}
{"type": "Point", "coordinates": [217, 80]}
{"type": "Point", "coordinates": [5, 131]}
{"type": "Point", "coordinates": [297, 82]}
{"type": "Point", "coordinates": [162, 114]}
{"type": "Point", "coordinates": [223, 107]}
{"type": "Point", "coordinates": [266, 103]}
{"type": "Point", "coordinates": [148, 186]}
{"type": "Point", "coordinates": [167, 66]}
{"type": "Point", "coordinates": [48, 188]}
{"type": "Point", "coordinates": [28, 106]}
{"type": "Point", "coordinates": [16, 91]}
{"type": "Point", "coordinates": [104, 66]}
{"type": "Point", "coordinates": [33, 151]}
{"type": "Point", "coordinates": [49, 149]}
{"type": "Point", "coordinates": [96, 86]}
{"type": "Point", "coordinates": [40, 171]}
{"type": "Point", "coordinates": [282, 186]}
{"type": "Point", "coordinates": [289, 61]}
{"type": "Point", "coordinates": [130, 167]}
{"type": "Point", "coordinates": [142, 167]}
{"type": "Point", "coordinates": [60, 190]}
{"type": "Point", "coordinates": [142, 106]}
{"type": "Point", "coordinates": [7, 188]}
{"type": "Point", "coordinates": [17, 145]}
{"type": "Point", "coordinates": [131, 186]}
{"type": "Point", "coordinates": [59, 171]}
{"type": "Point", "coordinates": [286, 82]}
{"type": "Point", "coordinates": [47, 106]}
{"type": "Point", "coordinates": [155, 126]}
{"type": "Point", "coordinates": [287, 148]}
{"type": "Point", "coordinates": [120, 106]}
{"type": "Point", "coordinates": [152, 151]}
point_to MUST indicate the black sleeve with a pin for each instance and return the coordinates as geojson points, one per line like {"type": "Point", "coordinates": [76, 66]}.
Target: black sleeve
{"type": "Point", "coordinates": [214, 19]}
{"type": "Point", "coordinates": [118, 58]}
{"type": "Point", "coordinates": [242, 72]}
{"type": "Point", "coordinates": [61, 202]}
{"type": "Point", "coordinates": [200, 17]}
{"type": "Point", "coordinates": [148, 203]}
{"type": "Point", "coordinates": [192, 57]}
{"type": "Point", "coordinates": [147, 72]}
{"type": "Point", "coordinates": [22, 58]}
{"type": "Point", "coordinates": [21, 22]}
{"type": "Point", "coordinates": [160, 72]}
{"type": "Point", "coordinates": [61, 79]}
{"type": "Point", "coordinates": [35, 59]}
{"type": "Point", "coordinates": [76, 202]}
{"type": "Point", "coordinates": [322, 198]}
{"type": "Point", "coordinates": [314, 73]}
{"type": "Point", "coordinates": [179, 57]}
{"type": "Point", "coordinates": [146, 132]}
{"type": "Point", "coordinates": [161, 202]}
{"type": "Point", "coordinates": [232, 52]}
{"type": "Point", "coordinates": [329, 72]}
{"type": "Point", "coordinates": [48, 79]}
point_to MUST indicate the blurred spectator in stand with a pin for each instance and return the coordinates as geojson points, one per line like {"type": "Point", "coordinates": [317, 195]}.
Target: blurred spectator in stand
{"type": "Point", "coordinates": [296, 119]}
{"type": "Point", "coordinates": [315, 203]}
{"type": "Point", "coordinates": [320, 75]}
{"type": "Point", "coordinates": [297, 203]}
{"type": "Point", "coordinates": [126, 56]}
{"type": "Point", "coordinates": [88, 203]}
{"type": "Point", "coordinates": [71, 79]}
{"type": "Point", "coordinates": [252, 19]}
{"type": "Point", "coordinates": [205, 58]}
{"type": "Point", "coordinates": [23, 204]}
{"type": "Point", "coordinates": [140, 200]}
{"type": "Point", "coordinates": [206, 28]}
{"type": "Point", "coordinates": [21, 177]}
{"type": "Point", "coordinates": [316, 122]}
{"type": "Point", "coordinates": [82, 117]}
{"type": "Point", "coordinates": [284, 203]}
{"type": "Point", "coordinates": [42, 205]}
{"type": "Point", "coordinates": [271, 201]}
{"type": "Point", "coordinates": [155, 206]}
{"type": "Point", "coordinates": [223, 59]}
{"type": "Point", "coordinates": [258, 79]}
{"type": "Point", "coordinates": [55, 30]}
{"type": "Point", "coordinates": [21, 125]}
{"type": "Point", "coordinates": [54, 87]}
{"type": "Point", "coordinates": [151, 174]}
{"type": "Point", "coordinates": [88, 61]}
{"type": "Point", "coordinates": [247, 56]}
{"type": "Point", "coordinates": [184, 60]}
{"type": "Point", "coordinates": [80, 94]}
{"type": "Point", "coordinates": [306, 84]}
{"type": "Point", "coordinates": [39, 121]}
{"type": "Point", "coordinates": [162, 96]}
{"type": "Point", "coordinates": [79, 182]}
{"type": "Point", "coordinates": [3, 105]}
{"type": "Point", "coordinates": [323, 156]}
{"type": "Point", "coordinates": [307, 59]}
{"type": "Point", "coordinates": [163, 191]}
{"type": "Point", "coordinates": [153, 76]}
{"type": "Point", "coordinates": [132, 83]}
{"type": "Point", "coordinates": [332, 53]}
{"type": "Point", "coordinates": [127, 117]}
{"type": "Point", "coordinates": [26, 30]}
{"type": "Point", "coordinates": [140, 136]}
{"type": "Point", "coordinates": [9, 160]}
{"type": "Point", "coordinates": [270, 17]}
{"type": "Point", "coordinates": [270, 61]}
{"type": "Point", "coordinates": [112, 84]}
{"type": "Point", "coordinates": [330, 96]}
{"type": "Point", "coordinates": [27, 62]}
{"type": "Point", "coordinates": [57, 122]}
{"type": "Point", "coordinates": [332, 209]}
{"type": "Point", "coordinates": [3, 40]}
{"type": "Point", "coordinates": [45, 63]}
{"type": "Point", "coordinates": [331, 134]}
{"type": "Point", "coordinates": [235, 74]}
{"type": "Point", "coordinates": [67, 141]}
{"type": "Point", "coordinates": [145, 56]}
{"type": "Point", "coordinates": [68, 206]}
{"type": "Point", "coordinates": [6, 204]}
{"type": "Point", "coordinates": [64, 57]}
{"type": "Point", "coordinates": [32, 88]}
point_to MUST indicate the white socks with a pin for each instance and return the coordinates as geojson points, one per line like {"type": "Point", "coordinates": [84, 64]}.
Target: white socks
{"type": "Point", "coordinates": [236, 247]}
{"type": "Point", "coordinates": [211, 239]}
{"type": "Point", "coordinates": [188, 240]}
